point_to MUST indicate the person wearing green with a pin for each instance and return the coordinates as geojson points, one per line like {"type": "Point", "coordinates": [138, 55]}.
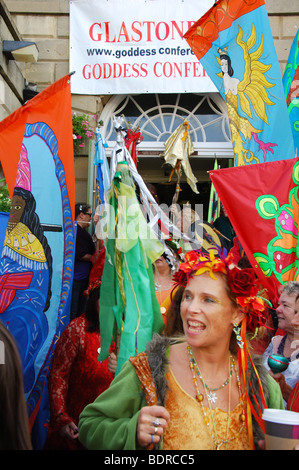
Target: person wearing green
{"type": "Point", "coordinates": [200, 391]}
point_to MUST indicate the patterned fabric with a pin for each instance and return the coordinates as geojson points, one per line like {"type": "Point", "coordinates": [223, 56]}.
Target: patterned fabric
{"type": "Point", "coordinates": [290, 82]}
{"type": "Point", "coordinates": [38, 165]}
{"type": "Point", "coordinates": [76, 379]}
{"type": "Point", "coordinates": [234, 43]}
{"type": "Point", "coordinates": [9, 283]}
{"type": "Point", "coordinates": [187, 429]}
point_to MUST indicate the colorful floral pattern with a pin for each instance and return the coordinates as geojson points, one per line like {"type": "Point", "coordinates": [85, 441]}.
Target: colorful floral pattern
{"type": "Point", "coordinates": [76, 378]}
{"type": "Point", "coordinates": [280, 258]}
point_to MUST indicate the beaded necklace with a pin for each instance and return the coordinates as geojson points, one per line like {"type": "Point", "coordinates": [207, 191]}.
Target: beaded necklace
{"type": "Point", "coordinates": [212, 396]}
{"type": "Point", "coordinates": [199, 397]}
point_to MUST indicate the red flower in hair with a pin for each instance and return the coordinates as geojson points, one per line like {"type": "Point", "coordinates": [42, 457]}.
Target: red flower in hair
{"type": "Point", "coordinates": [255, 310]}
{"type": "Point", "coordinates": [192, 258]}
{"type": "Point", "coordinates": [181, 277]}
{"type": "Point", "coordinates": [241, 281]}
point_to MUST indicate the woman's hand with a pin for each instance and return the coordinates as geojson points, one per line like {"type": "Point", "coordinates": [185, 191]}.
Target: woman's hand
{"type": "Point", "coordinates": [112, 363]}
{"type": "Point", "coordinates": [70, 431]}
{"type": "Point", "coordinates": [286, 389]}
{"type": "Point", "coordinates": [152, 422]}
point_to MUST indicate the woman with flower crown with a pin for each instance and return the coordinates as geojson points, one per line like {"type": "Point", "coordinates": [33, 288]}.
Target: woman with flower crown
{"type": "Point", "coordinates": [201, 391]}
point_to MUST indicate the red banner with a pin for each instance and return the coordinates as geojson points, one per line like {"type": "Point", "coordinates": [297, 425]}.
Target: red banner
{"type": "Point", "coordinates": [262, 202]}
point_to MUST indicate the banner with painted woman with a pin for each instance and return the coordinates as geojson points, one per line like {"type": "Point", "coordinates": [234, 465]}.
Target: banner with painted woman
{"type": "Point", "coordinates": [36, 265]}
{"type": "Point", "coordinates": [233, 42]}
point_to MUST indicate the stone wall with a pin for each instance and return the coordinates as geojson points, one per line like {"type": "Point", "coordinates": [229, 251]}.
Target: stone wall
{"type": "Point", "coordinates": [47, 23]}
{"type": "Point", "coordinates": [11, 75]}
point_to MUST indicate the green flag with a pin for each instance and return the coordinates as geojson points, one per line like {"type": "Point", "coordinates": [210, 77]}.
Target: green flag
{"type": "Point", "coordinates": [129, 310]}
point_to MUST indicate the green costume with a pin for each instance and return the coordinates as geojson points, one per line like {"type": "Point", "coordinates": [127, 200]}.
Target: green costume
{"type": "Point", "coordinates": [111, 421]}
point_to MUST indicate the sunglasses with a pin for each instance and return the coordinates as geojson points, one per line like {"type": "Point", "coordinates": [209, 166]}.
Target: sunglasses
{"type": "Point", "coordinates": [87, 213]}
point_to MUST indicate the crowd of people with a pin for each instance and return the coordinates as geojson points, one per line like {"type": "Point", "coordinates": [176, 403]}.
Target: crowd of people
{"type": "Point", "coordinates": [202, 383]}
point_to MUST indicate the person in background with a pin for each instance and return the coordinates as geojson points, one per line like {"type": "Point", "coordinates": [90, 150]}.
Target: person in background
{"type": "Point", "coordinates": [291, 394]}
{"type": "Point", "coordinates": [287, 344]}
{"type": "Point", "coordinates": [164, 268]}
{"type": "Point", "coordinates": [14, 423]}
{"type": "Point", "coordinates": [85, 248]}
{"type": "Point", "coordinates": [224, 226]}
{"type": "Point", "coordinates": [98, 235]}
{"type": "Point", "coordinates": [76, 376]}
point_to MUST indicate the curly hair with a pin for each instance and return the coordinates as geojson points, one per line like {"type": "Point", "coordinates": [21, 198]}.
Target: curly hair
{"type": "Point", "coordinates": [291, 288]}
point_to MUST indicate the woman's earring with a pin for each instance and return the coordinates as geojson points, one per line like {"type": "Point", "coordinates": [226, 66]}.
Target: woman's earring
{"type": "Point", "coordinates": [237, 330]}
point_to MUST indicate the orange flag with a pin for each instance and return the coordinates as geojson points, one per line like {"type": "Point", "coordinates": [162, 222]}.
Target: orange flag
{"type": "Point", "coordinates": [36, 265]}
{"type": "Point", "coordinates": [53, 106]}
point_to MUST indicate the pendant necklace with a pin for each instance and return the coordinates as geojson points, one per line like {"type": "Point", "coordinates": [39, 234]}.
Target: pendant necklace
{"type": "Point", "coordinates": [199, 396]}
{"type": "Point", "coordinates": [211, 396]}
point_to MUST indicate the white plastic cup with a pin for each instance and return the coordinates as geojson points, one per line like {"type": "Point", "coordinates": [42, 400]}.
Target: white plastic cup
{"type": "Point", "coordinates": [281, 429]}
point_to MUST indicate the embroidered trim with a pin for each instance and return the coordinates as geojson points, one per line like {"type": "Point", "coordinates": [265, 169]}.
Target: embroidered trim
{"type": "Point", "coordinates": [144, 374]}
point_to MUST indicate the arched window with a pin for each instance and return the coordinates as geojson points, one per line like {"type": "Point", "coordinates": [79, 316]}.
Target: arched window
{"type": "Point", "coordinates": [158, 115]}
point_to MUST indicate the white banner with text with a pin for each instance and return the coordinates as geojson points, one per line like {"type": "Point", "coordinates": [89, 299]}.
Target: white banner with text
{"type": "Point", "coordinates": [135, 46]}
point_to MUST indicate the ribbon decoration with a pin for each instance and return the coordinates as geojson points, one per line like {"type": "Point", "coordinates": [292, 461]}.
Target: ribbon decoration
{"type": "Point", "coordinates": [132, 139]}
{"type": "Point", "coordinates": [158, 220]}
{"type": "Point", "coordinates": [178, 148]}
{"type": "Point", "coordinates": [244, 355]}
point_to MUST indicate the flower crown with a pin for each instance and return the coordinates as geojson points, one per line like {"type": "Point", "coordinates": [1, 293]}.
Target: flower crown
{"type": "Point", "coordinates": [242, 282]}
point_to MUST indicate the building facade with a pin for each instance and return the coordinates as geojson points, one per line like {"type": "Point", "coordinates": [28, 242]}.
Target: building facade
{"type": "Point", "coordinates": [46, 23]}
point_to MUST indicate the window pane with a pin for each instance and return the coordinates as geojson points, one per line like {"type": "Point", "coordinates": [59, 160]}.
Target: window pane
{"type": "Point", "coordinates": [157, 117]}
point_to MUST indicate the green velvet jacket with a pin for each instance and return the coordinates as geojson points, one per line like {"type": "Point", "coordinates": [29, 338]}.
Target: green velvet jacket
{"type": "Point", "coordinates": [110, 422]}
